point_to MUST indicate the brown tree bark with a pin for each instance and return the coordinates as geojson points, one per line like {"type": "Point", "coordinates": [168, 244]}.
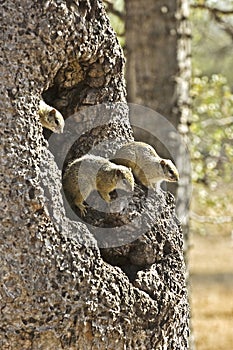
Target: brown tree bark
{"type": "Point", "coordinates": [158, 73]}
{"type": "Point", "coordinates": [56, 291]}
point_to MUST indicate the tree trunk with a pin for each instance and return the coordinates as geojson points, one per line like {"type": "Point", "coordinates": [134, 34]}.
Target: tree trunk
{"type": "Point", "coordinates": [57, 292]}
{"type": "Point", "coordinates": [158, 73]}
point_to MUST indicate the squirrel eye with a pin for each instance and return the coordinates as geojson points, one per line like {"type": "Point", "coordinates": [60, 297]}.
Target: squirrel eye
{"type": "Point", "coordinates": [56, 121]}
{"type": "Point", "coordinates": [124, 181]}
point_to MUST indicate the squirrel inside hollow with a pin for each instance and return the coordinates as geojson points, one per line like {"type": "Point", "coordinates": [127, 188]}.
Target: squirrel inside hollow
{"type": "Point", "coordinates": [89, 173]}
{"type": "Point", "coordinates": [50, 118]}
{"type": "Point", "coordinates": [146, 164]}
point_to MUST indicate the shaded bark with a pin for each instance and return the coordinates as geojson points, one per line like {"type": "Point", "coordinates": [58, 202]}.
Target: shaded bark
{"type": "Point", "coordinates": [158, 73]}
{"type": "Point", "coordinates": [56, 290]}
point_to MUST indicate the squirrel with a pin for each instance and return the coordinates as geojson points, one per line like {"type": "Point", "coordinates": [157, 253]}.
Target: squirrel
{"type": "Point", "coordinates": [50, 118]}
{"type": "Point", "coordinates": [146, 164]}
{"type": "Point", "coordinates": [91, 172]}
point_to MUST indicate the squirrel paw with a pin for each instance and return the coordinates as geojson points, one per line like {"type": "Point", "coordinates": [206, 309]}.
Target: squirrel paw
{"type": "Point", "coordinates": [82, 209]}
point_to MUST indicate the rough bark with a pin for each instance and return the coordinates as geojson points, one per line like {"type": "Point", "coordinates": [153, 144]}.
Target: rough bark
{"type": "Point", "coordinates": [158, 74]}
{"type": "Point", "coordinates": [56, 290]}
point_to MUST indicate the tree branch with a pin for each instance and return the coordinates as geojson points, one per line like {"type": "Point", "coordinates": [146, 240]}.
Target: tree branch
{"type": "Point", "coordinates": [221, 122]}
{"type": "Point", "coordinates": [213, 9]}
{"type": "Point", "coordinates": [210, 219]}
{"type": "Point", "coordinates": [226, 26]}
{"type": "Point", "coordinates": [217, 15]}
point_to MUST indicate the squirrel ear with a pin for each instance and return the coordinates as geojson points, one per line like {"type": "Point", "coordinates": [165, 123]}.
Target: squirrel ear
{"type": "Point", "coordinates": [162, 162]}
{"type": "Point", "coordinates": [118, 173]}
{"type": "Point", "coordinates": [52, 112]}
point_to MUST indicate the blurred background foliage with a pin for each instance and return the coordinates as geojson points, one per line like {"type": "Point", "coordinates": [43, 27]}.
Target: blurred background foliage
{"type": "Point", "coordinates": [211, 125]}
{"type": "Point", "coordinates": [211, 149]}
{"type": "Point", "coordinates": [212, 31]}
{"type": "Point", "coordinates": [211, 130]}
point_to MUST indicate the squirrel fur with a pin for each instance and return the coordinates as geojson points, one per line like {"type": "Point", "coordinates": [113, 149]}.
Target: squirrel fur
{"type": "Point", "coordinates": [89, 173]}
{"type": "Point", "coordinates": [146, 164]}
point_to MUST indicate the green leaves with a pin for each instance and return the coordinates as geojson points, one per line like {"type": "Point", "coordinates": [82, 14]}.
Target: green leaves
{"type": "Point", "coordinates": [212, 143]}
{"type": "Point", "coordinates": [212, 129]}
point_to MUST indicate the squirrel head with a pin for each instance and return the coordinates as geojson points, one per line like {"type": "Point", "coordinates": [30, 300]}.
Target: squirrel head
{"type": "Point", "coordinates": [124, 178]}
{"type": "Point", "coordinates": [170, 172]}
{"type": "Point", "coordinates": [54, 121]}
{"type": "Point", "coordinates": [50, 118]}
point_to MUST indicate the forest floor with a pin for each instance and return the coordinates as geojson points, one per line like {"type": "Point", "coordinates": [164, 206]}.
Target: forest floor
{"type": "Point", "coordinates": [211, 268]}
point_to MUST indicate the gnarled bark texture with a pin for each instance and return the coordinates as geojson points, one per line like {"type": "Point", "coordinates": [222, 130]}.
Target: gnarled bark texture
{"type": "Point", "coordinates": [56, 290]}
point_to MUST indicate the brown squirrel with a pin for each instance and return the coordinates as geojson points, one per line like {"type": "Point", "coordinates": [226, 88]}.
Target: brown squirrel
{"type": "Point", "coordinates": [50, 118]}
{"type": "Point", "coordinates": [89, 173]}
{"type": "Point", "coordinates": [146, 164]}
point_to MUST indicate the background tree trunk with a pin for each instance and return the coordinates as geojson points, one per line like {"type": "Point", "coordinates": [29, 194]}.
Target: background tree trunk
{"type": "Point", "coordinates": [158, 74]}
{"type": "Point", "coordinates": [56, 290]}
